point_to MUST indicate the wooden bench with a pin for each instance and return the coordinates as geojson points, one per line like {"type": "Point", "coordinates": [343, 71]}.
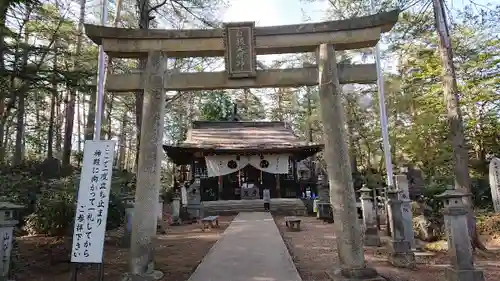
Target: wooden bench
{"type": "Point", "coordinates": [292, 223]}
{"type": "Point", "coordinates": [210, 222]}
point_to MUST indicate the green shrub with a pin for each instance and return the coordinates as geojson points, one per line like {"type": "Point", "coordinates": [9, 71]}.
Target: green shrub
{"type": "Point", "coordinates": [55, 210]}
{"type": "Point", "coordinates": [429, 197]}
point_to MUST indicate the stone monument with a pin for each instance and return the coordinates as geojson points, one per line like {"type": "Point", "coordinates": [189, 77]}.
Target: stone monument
{"type": "Point", "coordinates": [401, 252]}
{"type": "Point", "coordinates": [402, 186]}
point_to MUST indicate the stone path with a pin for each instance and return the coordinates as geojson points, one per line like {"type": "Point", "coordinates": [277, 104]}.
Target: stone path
{"type": "Point", "coordinates": [251, 249]}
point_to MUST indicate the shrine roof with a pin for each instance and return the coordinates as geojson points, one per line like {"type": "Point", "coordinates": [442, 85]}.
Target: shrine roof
{"type": "Point", "coordinates": [241, 137]}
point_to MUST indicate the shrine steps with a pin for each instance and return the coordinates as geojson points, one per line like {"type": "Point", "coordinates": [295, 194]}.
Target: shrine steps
{"type": "Point", "coordinates": [280, 206]}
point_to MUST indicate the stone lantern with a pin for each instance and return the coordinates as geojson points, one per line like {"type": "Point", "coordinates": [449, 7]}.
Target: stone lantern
{"type": "Point", "coordinates": [459, 242]}
{"type": "Point", "coordinates": [7, 225]}
{"type": "Point", "coordinates": [371, 234]}
{"type": "Point", "coordinates": [128, 201]}
{"type": "Point", "coordinates": [324, 209]}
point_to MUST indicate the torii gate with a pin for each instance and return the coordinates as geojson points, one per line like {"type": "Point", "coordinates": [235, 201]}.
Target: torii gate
{"type": "Point", "coordinates": [240, 43]}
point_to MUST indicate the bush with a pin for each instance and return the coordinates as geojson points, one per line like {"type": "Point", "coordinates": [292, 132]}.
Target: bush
{"type": "Point", "coordinates": [429, 197]}
{"type": "Point", "coordinates": [55, 210]}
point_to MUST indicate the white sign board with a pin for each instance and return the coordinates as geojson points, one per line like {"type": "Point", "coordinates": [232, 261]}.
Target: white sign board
{"type": "Point", "coordinates": [495, 183]}
{"type": "Point", "coordinates": [6, 233]}
{"type": "Point", "coordinates": [93, 198]}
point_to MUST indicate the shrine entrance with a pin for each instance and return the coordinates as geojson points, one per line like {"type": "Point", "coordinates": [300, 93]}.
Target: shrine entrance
{"type": "Point", "coordinates": [239, 44]}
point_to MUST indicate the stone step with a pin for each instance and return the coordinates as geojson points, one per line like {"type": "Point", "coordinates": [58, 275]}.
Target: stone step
{"type": "Point", "coordinates": [280, 206]}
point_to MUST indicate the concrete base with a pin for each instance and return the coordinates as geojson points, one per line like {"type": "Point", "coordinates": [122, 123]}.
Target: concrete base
{"type": "Point", "coordinates": [365, 274]}
{"type": "Point", "coordinates": [403, 259]}
{"type": "Point", "coordinates": [372, 240]}
{"type": "Point", "coordinates": [153, 276]}
{"type": "Point", "coordinates": [452, 274]}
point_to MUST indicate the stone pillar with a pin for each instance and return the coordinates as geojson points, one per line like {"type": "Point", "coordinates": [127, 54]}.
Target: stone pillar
{"type": "Point", "coordinates": [401, 253]}
{"type": "Point", "coordinates": [459, 243]}
{"type": "Point", "coordinates": [148, 171]}
{"type": "Point", "coordinates": [401, 182]}
{"type": "Point", "coordinates": [7, 225]}
{"type": "Point", "coordinates": [336, 154]}
{"type": "Point", "coordinates": [371, 235]}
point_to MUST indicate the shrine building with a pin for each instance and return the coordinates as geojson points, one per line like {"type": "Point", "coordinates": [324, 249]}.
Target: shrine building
{"type": "Point", "coordinates": [238, 159]}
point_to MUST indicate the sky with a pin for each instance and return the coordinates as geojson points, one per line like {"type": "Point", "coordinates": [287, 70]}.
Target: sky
{"type": "Point", "coordinates": [283, 12]}
{"type": "Point", "coordinates": [279, 12]}
{"type": "Point", "coordinates": [273, 12]}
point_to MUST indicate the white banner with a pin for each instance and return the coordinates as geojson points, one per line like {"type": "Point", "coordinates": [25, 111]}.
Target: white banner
{"type": "Point", "coordinates": [93, 199]}
{"type": "Point", "coordinates": [495, 183]}
{"type": "Point", "coordinates": [220, 165]}
{"type": "Point", "coordinates": [270, 163]}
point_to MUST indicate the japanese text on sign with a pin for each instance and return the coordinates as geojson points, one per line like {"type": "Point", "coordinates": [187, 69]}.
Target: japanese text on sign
{"type": "Point", "coordinates": [93, 198]}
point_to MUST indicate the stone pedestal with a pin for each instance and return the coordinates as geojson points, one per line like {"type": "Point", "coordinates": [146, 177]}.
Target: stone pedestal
{"type": "Point", "coordinates": [371, 234]}
{"type": "Point", "coordinates": [459, 245]}
{"type": "Point", "coordinates": [7, 225]}
{"type": "Point", "coordinates": [402, 185]}
{"type": "Point", "coordinates": [401, 253]}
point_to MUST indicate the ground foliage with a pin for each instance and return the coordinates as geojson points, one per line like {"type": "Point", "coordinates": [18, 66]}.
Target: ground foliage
{"type": "Point", "coordinates": [49, 204]}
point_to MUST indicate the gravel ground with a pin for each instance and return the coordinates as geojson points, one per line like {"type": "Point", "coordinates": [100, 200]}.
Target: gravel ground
{"type": "Point", "coordinates": [314, 253]}
{"type": "Point", "coordinates": [177, 255]}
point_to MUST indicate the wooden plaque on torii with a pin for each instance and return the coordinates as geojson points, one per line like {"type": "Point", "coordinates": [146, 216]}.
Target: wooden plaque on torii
{"type": "Point", "coordinates": [240, 55]}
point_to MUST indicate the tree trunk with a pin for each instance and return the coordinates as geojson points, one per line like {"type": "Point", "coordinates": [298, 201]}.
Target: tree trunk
{"type": "Point", "coordinates": [59, 124]}
{"type": "Point", "coordinates": [452, 102]}
{"type": "Point", "coordinates": [79, 123]}
{"type": "Point", "coordinates": [4, 5]}
{"type": "Point", "coordinates": [89, 128]}
{"type": "Point", "coordinates": [52, 116]}
{"type": "Point", "coordinates": [122, 142]}
{"type": "Point", "coordinates": [19, 149]}
{"type": "Point", "coordinates": [109, 111]}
